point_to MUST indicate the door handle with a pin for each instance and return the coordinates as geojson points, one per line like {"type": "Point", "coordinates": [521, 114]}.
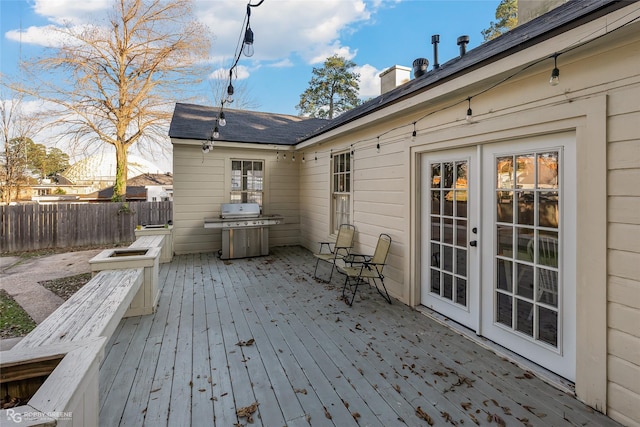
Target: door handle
{"type": "Point", "coordinates": [473, 243]}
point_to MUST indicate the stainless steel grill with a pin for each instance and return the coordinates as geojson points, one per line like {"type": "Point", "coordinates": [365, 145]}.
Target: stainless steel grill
{"type": "Point", "coordinates": [245, 233]}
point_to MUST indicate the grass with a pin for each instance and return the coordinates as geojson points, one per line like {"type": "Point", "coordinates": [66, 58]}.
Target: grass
{"type": "Point", "coordinates": [14, 321]}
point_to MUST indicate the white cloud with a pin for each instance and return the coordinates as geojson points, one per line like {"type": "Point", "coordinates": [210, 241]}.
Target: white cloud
{"type": "Point", "coordinates": [47, 36]}
{"type": "Point", "coordinates": [69, 11]}
{"type": "Point", "coordinates": [369, 81]}
{"type": "Point", "coordinates": [241, 72]}
{"type": "Point", "coordinates": [309, 30]}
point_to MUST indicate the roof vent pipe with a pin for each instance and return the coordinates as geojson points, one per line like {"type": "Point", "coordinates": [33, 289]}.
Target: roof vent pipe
{"type": "Point", "coordinates": [420, 67]}
{"type": "Point", "coordinates": [462, 42]}
{"type": "Point", "coordinates": [435, 39]}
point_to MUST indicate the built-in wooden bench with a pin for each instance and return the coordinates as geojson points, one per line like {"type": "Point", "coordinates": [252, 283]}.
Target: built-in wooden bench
{"type": "Point", "coordinates": [94, 311]}
{"type": "Point", "coordinates": [148, 242]}
{"type": "Point", "coordinates": [59, 360]}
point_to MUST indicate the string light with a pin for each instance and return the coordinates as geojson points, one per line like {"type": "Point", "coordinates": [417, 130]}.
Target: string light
{"type": "Point", "coordinates": [277, 156]}
{"type": "Point", "coordinates": [293, 157]}
{"type": "Point", "coordinates": [316, 156]}
{"type": "Point", "coordinates": [303, 160]}
{"type": "Point", "coordinates": [414, 133]}
{"type": "Point", "coordinates": [222, 121]}
{"type": "Point", "coordinates": [378, 145]}
{"type": "Point", "coordinates": [555, 73]}
{"type": "Point", "coordinates": [469, 112]}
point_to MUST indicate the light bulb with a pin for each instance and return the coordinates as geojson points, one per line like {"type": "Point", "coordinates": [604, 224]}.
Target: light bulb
{"type": "Point", "coordinates": [248, 42]}
{"type": "Point", "coordinates": [230, 93]}
{"type": "Point", "coordinates": [555, 77]}
{"type": "Point", "coordinates": [222, 121]}
{"type": "Point", "coordinates": [469, 115]}
{"type": "Point", "coordinates": [216, 132]}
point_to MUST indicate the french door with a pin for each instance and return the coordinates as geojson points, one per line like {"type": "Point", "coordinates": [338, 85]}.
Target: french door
{"type": "Point", "coordinates": [505, 269]}
{"type": "Point", "coordinates": [449, 234]}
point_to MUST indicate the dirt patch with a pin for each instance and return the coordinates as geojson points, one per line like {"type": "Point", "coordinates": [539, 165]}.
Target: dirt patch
{"type": "Point", "coordinates": [66, 286]}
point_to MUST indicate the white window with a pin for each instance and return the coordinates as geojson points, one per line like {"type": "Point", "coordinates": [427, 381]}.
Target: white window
{"type": "Point", "coordinates": [247, 178]}
{"type": "Point", "coordinates": [341, 190]}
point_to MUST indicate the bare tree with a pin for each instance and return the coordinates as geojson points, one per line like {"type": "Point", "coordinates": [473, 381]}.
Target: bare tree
{"type": "Point", "coordinates": [121, 79]}
{"type": "Point", "coordinates": [14, 165]}
{"type": "Point", "coordinates": [242, 99]}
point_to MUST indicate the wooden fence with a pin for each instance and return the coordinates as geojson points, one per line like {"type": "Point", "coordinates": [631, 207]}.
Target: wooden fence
{"type": "Point", "coordinates": [69, 225]}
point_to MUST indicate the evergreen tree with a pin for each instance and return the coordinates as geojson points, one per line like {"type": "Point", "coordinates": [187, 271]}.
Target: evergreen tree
{"type": "Point", "coordinates": [332, 90]}
{"type": "Point", "coordinates": [506, 19]}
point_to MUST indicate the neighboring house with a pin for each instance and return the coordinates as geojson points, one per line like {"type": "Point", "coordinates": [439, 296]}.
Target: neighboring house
{"type": "Point", "coordinates": [522, 223]}
{"type": "Point", "coordinates": [134, 194]}
{"type": "Point", "coordinates": [159, 186]}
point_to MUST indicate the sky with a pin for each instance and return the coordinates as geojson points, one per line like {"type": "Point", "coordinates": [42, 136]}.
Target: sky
{"type": "Point", "coordinates": [291, 37]}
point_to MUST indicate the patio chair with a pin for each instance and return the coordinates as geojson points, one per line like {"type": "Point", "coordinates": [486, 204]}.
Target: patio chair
{"type": "Point", "coordinates": [340, 249]}
{"type": "Point", "coordinates": [365, 268]}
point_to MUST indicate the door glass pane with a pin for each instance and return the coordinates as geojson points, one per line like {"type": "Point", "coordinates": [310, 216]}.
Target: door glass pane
{"type": "Point", "coordinates": [505, 206]}
{"type": "Point", "coordinates": [528, 259]}
{"type": "Point", "coordinates": [548, 326]}
{"type": "Point", "coordinates": [525, 171]}
{"type": "Point", "coordinates": [435, 281]}
{"type": "Point", "coordinates": [448, 230]}
{"type": "Point", "coordinates": [448, 175]}
{"type": "Point", "coordinates": [435, 175]}
{"type": "Point", "coordinates": [503, 309]}
{"type": "Point", "coordinates": [524, 317]}
{"type": "Point", "coordinates": [505, 172]}
{"type": "Point", "coordinates": [435, 228]}
{"type": "Point", "coordinates": [505, 274]}
{"type": "Point", "coordinates": [447, 258]}
{"type": "Point", "coordinates": [548, 209]}
{"type": "Point", "coordinates": [461, 232]}
{"type": "Point", "coordinates": [548, 170]}
{"type": "Point", "coordinates": [461, 291]}
{"type": "Point", "coordinates": [461, 262]}
{"type": "Point", "coordinates": [461, 204]}
{"type": "Point", "coordinates": [504, 241]}
{"type": "Point", "coordinates": [524, 286]}
{"type": "Point", "coordinates": [435, 202]}
{"type": "Point", "coordinates": [447, 286]}
{"type": "Point", "coordinates": [524, 201]}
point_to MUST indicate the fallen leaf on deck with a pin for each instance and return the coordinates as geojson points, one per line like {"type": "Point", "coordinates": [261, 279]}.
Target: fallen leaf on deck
{"type": "Point", "coordinates": [300, 390]}
{"type": "Point", "coordinates": [421, 414]}
{"type": "Point", "coordinates": [466, 405]}
{"type": "Point", "coordinates": [326, 412]}
{"type": "Point", "coordinates": [355, 415]}
{"type": "Point", "coordinates": [396, 387]}
{"type": "Point", "coordinates": [248, 342]}
{"type": "Point", "coordinates": [247, 411]}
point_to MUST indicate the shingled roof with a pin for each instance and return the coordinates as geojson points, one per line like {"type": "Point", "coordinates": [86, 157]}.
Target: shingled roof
{"type": "Point", "coordinates": [196, 122]}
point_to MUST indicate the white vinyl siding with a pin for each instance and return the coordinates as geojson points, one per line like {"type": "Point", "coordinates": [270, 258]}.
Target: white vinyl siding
{"type": "Point", "coordinates": [623, 243]}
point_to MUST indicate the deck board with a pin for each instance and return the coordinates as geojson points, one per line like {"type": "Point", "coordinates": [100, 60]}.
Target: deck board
{"type": "Point", "coordinates": [314, 360]}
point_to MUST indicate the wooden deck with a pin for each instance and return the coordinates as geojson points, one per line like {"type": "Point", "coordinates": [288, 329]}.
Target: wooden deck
{"type": "Point", "coordinates": [228, 334]}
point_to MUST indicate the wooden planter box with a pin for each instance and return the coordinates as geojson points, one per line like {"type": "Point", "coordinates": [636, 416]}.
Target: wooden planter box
{"type": "Point", "coordinates": [146, 299]}
{"type": "Point", "coordinates": [56, 384]}
{"type": "Point", "coordinates": [166, 254]}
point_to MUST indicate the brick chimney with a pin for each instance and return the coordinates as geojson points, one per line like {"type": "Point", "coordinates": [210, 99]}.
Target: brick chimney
{"type": "Point", "coordinates": [393, 77]}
